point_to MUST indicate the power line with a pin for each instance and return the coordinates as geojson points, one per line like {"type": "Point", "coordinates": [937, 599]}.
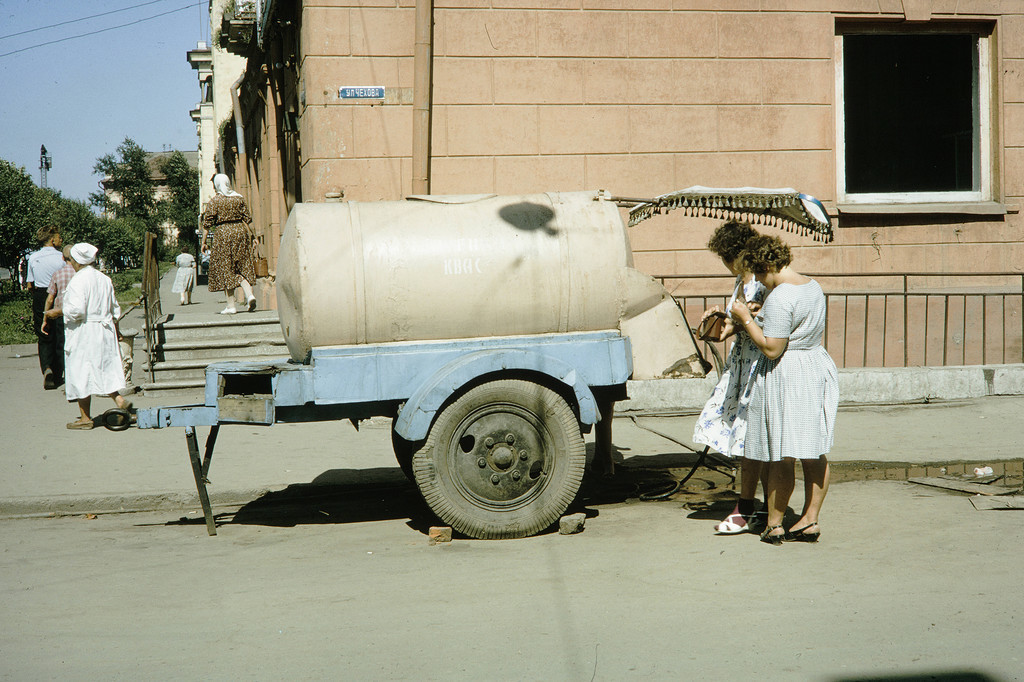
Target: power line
{"type": "Point", "coordinates": [103, 30]}
{"type": "Point", "coordinates": [74, 21]}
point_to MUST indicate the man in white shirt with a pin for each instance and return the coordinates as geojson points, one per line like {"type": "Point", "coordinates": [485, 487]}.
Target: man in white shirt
{"type": "Point", "coordinates": [42, 265]}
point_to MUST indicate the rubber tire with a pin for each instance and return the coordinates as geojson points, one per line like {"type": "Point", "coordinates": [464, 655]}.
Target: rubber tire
{"type": "Point", "coordinates": [404, 451]}
{"type": "Point", "coordinates": [455, 484]}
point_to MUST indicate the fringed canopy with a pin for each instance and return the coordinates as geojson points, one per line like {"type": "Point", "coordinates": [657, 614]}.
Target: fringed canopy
{"type": "Point", "coordinates": [783, 208]}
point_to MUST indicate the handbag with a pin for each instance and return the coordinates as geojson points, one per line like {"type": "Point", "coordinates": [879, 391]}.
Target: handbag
{"type": "Point", "coordinates": [712, 326]}
{"type": "Point", "coordinates": [261, 265]}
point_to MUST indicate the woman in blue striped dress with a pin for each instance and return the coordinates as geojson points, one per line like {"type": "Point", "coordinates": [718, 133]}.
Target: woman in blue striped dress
{"type": "Point", "coordinates": [795, 397]}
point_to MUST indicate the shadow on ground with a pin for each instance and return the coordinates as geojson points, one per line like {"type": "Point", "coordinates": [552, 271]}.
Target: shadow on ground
{"type": "Point", "coordinates": [362, 495]}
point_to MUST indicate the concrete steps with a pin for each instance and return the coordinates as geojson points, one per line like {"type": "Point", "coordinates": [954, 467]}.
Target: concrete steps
{"type": "Point", "coordinates": [185, 346]}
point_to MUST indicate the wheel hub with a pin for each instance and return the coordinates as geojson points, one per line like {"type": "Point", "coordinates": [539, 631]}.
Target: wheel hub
{"type": "Point", "coordinates": [498, 457]}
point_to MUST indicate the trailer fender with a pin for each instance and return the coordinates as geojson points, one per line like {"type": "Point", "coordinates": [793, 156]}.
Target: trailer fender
{"type": "Point", "coordinates": [417, 414]}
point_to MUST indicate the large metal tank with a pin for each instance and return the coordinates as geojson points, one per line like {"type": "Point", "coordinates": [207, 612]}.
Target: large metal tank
{"type": "Point", "coordinates": [448, 267]}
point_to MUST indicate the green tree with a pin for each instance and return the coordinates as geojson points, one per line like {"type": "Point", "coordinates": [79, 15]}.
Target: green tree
{"type": "Point", "coordinates": [20, 214]}
{"type": "Point", "coordinates": [78, 223]}
{"type": "Point", "coordinates": [120, 242]}
{"type": "Point", "coordinates": [75, 219]}
{"type": "Point", "coordinates": [181, 209]}
{"type": "Point", "coordinates": [129, 180]}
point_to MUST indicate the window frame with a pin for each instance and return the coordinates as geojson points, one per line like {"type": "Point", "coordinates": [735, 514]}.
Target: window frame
{"type": "Point", "coordinates": [983, 110]}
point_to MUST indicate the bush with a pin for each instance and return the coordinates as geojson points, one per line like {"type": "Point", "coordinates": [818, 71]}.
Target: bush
{"type": "Point", "coordinates": [16, 307]}
{"type": "Point", "coordinates": [16, 318]}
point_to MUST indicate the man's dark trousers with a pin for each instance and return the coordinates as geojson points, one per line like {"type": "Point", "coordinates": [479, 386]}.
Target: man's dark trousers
{"type": "Point", "coordinates": [50, 355]}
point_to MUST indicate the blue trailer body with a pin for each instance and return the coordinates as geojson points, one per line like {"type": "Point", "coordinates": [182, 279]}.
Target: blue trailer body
{"type": "Point", "coordinates": [423, 375]}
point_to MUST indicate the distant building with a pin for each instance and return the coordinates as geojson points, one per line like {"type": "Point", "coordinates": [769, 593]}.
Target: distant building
{"type": "Point", "coordinates": [160, 189]}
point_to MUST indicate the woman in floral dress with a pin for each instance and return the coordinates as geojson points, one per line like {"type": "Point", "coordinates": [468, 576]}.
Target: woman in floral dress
{"type": "Point", "coordinates": [232, 259]}
{"type": "Point", "coordinates": [722, 424]}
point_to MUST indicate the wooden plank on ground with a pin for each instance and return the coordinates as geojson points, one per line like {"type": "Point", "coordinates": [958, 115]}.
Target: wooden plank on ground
{"type": "Point", "coordinates": [963, 486]}
{"type": "Point", "coordinates": [1002, 502]}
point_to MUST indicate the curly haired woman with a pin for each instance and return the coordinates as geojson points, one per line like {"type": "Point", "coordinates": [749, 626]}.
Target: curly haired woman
{"type": "Point", "coordinates": [795, 398]}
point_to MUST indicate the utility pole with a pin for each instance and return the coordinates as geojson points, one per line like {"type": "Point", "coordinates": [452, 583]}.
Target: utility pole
{"type": "Point", "coordinates": [45, 164]}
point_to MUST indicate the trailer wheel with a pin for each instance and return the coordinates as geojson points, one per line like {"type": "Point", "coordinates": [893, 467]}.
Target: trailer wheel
{"type": "Point", "coordinates": [404, 450]}
{"type": "Point", "coordinates": [505, 460]}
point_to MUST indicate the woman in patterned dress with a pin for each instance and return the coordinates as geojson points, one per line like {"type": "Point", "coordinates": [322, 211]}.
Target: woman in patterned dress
{"type": "Point", "coordinates": [722, 423]}
{"type": "Point", "coordinates": [232, 259]}
{"type": "Point", "coordinates": [793, 405]}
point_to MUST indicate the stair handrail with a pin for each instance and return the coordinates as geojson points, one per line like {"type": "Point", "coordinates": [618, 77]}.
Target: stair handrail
{"type": "Point", "coordinates": [151, 295]}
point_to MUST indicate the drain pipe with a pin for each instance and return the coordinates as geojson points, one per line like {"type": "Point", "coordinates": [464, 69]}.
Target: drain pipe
{"type": "Point", "coordinates": [236, 107]}
{"type": "Point", "coordinates": [422, 78]}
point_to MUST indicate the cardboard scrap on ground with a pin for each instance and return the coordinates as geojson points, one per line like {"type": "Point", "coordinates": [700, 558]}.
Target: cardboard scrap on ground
{"type": "Point", "coordinates": [963, 486]}
{"type": "Point", "coordinates": [983, 503]}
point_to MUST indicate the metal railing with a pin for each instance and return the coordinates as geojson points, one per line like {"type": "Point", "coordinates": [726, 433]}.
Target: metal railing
{"type": "Point", "coordinates": [151, 294]}
{"type": "Point", "coordinates": [909, 319]}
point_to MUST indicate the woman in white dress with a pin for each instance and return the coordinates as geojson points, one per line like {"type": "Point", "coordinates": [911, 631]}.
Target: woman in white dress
{"type": "Point", "coordinates": [91, 354]}
{"type": "Point", "coordinates": [722, 424]}
{"type": "Point", "coordinates": [795, 397]}
{"type": "Point", "coordinates": [185, 278]}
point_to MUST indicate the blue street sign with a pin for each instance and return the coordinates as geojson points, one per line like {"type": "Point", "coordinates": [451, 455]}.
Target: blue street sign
{"type": "Point", "coordinates": [374, 92]}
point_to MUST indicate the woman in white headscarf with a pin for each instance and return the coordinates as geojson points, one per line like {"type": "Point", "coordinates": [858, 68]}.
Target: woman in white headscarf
{"type": "Point", "coordinates": [232, 259]}
{"type": "Point", "coordinates": [91, 354]}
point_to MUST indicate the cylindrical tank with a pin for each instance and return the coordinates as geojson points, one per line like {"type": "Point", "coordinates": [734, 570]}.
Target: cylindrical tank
{"type": "Point", "coordinates": [444, 267]}
{"type": "Point", "coordinates": [449, 267]}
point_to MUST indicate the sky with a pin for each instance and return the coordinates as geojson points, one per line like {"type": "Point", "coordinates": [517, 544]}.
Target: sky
{"type": "Point", "coordinates": [82, 96]}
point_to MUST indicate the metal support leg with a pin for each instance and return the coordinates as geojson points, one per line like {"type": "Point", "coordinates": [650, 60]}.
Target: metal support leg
{"type": "Point", "coordinates": [198, 472]}
{"type": "Point", "coordinates": [604, 462]}
{"type": "Point", "coordinates": [211, 440]}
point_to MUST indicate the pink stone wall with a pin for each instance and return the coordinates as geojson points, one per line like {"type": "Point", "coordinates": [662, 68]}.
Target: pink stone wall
{"type": "Point", "coordinates": [640, 97]}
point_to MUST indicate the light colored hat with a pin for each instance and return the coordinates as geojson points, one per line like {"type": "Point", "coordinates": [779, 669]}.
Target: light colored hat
{"type": "Point", "coordinates": [84, 253]}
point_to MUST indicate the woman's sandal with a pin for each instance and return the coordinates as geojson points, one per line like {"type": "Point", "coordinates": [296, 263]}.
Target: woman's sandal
{"type": "Point", "coordinates": [733, 524]}
{"type": "Point", "coordinates": [81, 425]}
{"type": "Point", "coordinates": [801, 534]}
{"type": "Point", "coordinates": [766, 536]}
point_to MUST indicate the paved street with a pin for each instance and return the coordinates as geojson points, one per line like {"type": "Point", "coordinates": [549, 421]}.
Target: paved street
{"type": "Point", "coordinates": [906, 582]}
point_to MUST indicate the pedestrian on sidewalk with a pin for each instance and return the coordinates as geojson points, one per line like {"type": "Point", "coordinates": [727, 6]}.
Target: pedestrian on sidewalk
{"type": "Point", "coordinates": [92, 355]}
{"type": "Point", "coordinates": [185, 277]}
{"type": "Point", "coordinates": [42, 265]}
{"type": "Point", "coordinates": [722, 424]}
{"type": "Point", "coordinates": [53, 320]}
{"type": "Point", "coordinates": [232, 259]}
{"type": "Point", "coordinates": [793, 405]}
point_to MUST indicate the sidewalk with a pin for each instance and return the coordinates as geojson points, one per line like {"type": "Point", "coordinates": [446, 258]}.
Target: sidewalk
{"type": "Point", "coordinates": [47, 468]}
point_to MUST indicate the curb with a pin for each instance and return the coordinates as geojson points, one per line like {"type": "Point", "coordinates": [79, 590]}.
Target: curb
{"type": "Point", "coordinates": [861, 386]}
{"type": "Point", "coordinates": [123, 504]}
{"type": "Point", "coordinates": [843, 471]}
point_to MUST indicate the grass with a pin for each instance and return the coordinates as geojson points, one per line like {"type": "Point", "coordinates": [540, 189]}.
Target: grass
{"type": "Point", "coordinates": [16, 318]}
{"type": "Point", "coordinates": [16, 307]}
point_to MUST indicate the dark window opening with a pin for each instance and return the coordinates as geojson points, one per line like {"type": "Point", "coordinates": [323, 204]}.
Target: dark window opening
{"type": "Point", "coordinates": [909, 112]}
{"type": "Point", "coordinates": [247, 384]}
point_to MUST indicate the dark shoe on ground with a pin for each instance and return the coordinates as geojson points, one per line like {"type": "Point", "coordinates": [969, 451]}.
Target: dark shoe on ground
{"type": "Point", "coordinates": [252, 304]}
{"type": "Point", "coordinates": [801, 534]}
{"type": "Point", "coordinates": [80, 425]}
{"type": "Point", "coordinates": [49, 382]}
{"type": "Point", "coordinates": [773, 539]}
